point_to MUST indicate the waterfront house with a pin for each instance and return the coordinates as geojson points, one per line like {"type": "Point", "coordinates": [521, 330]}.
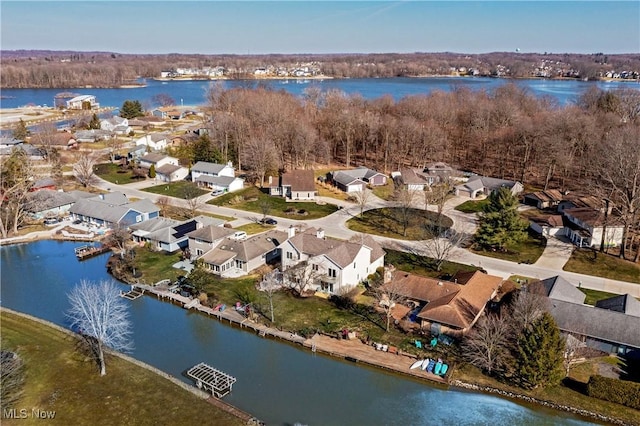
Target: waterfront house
{"type": "Point", "coordinates": [169, 235]}
{"type": "Point", "coordinates": [234, 257]}
{"type": "Point", "coordinates": [116, 124]}
{"type": "Point", "coordinates": [356, 179]}
{"type": "Point", "coordinates": [205, 239]}
{"type": "Point", "coordinates": [93, 135]}
{"type": "Point", "coordinates": [330, 266]}
{"type": "Point", "coordinates": [9, 142]}
{"type": "Point", "coordinates": [113, 209]}
{"type": "Point", "coordinates": [82, 102]}
{"type": "Point", "coordinates": [482, 185]}
{"type": "Point", "coordinates": [296, 185]}
{"type": "Point", "coordinates": [448, 307]}
{"type": "Point", "coordinates": [48, 203]}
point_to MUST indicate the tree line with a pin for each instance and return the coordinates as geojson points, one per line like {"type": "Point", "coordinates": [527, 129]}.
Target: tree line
{"type": "Point", "coordinates": [51, 69]}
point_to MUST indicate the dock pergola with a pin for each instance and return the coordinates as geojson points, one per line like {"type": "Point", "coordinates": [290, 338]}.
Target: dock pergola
{"type": "Point", "coordinates": [211, 379]}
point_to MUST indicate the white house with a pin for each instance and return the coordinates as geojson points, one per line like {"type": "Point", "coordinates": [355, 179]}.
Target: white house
{"type": "Point", "coordinates": [329, 265]}
{"type": "Point", "coordinates": [116, 124]}
{"type": "Point", "coordinates": [216, 176]}
{"type": "Point", "coordinates": [203, 168]}
{"type": "Point", "coordinates": [166, 167]}
{"type": "Point", "coordinates": [154, 141]}
{"type": "Point", "coordinates": [586, 227]}
{"type": "Point", "coordinates": [83, 102]}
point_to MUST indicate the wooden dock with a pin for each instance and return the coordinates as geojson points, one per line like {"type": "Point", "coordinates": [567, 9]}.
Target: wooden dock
{"type": "Point", "coordinates": [88, 251]}
{"type": "Point", "coordinates": [132, 294]}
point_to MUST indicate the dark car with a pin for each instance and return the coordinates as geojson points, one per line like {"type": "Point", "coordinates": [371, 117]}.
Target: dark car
{"type": "Point", "coordinates": [77, 221]}
{"type": "Point", "coordinates": [269, 221]}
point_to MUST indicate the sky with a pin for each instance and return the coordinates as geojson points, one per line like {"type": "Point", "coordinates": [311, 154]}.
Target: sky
{"type": "Point", "coordinates": [262, 27]}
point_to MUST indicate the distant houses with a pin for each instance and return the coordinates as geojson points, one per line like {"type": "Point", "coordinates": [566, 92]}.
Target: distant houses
{"type": "Point", "coordinates": [352, 180]}
{"type": "Point", "coordinates": [482, 185]}
{"type": "Point", "coordinates": [154, 141]}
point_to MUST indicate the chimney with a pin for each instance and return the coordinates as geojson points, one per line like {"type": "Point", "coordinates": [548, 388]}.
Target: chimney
{"type": "Point", "coordinates": [292, 231]}
{"type": "Point", "coordinates": [320, 233]}
{"type": "Point", "coordinates": [440, 283]}
{"type": "Point", "coordinates": [270, 180]}
{"type": "Point", "coordinates": [230, 164]}
{"type": "Point", "coordinates": [199, 225]}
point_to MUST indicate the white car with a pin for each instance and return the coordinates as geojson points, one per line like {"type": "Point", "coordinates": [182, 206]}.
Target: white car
{"type": "Point", "coordinates": [217, 192]}
{"type": "Point", "coordinates": [239, 235]}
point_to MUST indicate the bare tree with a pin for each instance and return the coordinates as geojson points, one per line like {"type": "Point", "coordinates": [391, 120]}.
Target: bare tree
{"type": "Point", "coordinates": [405, 199]}
{"type": "Point", "coordinates": [118, 238]}
{"type": "Point", "coordinates": [192, 199]}
{"type": "Point", "coordinates": [83, 169]}
{"type": "Point", "coordinates": [163, 203]}
{"type": "Point", "coordinates": [271, 283]}
{"type": "Point", "coordinates": [486, 346]}
{"type": "Point", "coordinates": [265, 207]}
{"type": "Point", "coordinates": [362, 199]}
{"type": "Point", "coordinates": [528, 305]}
{"type": "Point", "coordinates": [11, 377]}
{"type": "Point", "coordinates": [301, 276]}
{"type": "Point", "coordinates": [440, 243]}
{"type": "Point", "coordinates": [572, 343]}
{"type": "Point", "coordinates": [101, 317]}
{"type": "Point", "coordinates": [260, 158]}
{"type": "Point", "coordinates": [387, 296]}
{"type": "Point", "coordinates": [16, 178]}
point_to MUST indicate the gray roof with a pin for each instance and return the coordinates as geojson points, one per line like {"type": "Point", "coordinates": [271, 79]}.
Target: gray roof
{"type": "Point", "coordinates": [363, 173]}
{"type": "Point", "coordinates": [167, 169]}
{"type": "Point", "coordinates": [210, 233]}
{"type": "Point", "coordinates": [10, 141]}
{"type": "Point", "coordinates": [625, 303]}
{"type": "Point", "coordinates": [558, 288]}
{"type": "Point", "coordinates": [493, 184]}
{"type": "Point", "coordinates": [255, 246]}
{"type": "Point", "coordinates": [111, 207]}
{"type": "Point", "coordinates": [152, 157]}
{"type": "Point", "coordinates": [342, 253]}
{"type": "Point", "coordinates": [47, 199]}
{"type": "Point", "coordinates": [602, 324]}
{"type": "Point", "coordinates": [208, 220]}
{"type": "Point", "coordinates": [153, 225]}
{"type": "Point", "coordinates": [205, 167]}
{"type": "Point", "coordinates": [222, 181]}
{"type": "Point", "coordinates": [345, 178]}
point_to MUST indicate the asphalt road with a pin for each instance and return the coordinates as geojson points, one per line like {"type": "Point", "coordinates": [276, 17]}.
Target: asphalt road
{"type": "Point", "coordinates": [334, 225]}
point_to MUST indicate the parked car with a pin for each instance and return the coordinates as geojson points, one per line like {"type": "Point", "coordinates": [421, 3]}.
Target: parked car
{"type": "Point", "coordinates": [51, 221]}
{"type": "Point", "coordinates": [217, 192]}
{"type": "Point", "coordinates": [77, 221]}
{"type": "Point", "coordinates": [269, 221]}
{"type": "Point", "coordinates": [239, 235]}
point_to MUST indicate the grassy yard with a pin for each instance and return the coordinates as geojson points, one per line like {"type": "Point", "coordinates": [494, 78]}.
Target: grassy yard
{"type": "Point", "coordinates": [115, 174]}
{"type": "Point", "coordinates": [156, 265]}
{"type": "Point", "coordinates": [594, 295]}
{"type": "Point", "coordinates": [181, 189]}
{"type": "Point", "coordinates": [252, 199]}
{"type": "Point", "coordinates": [586, 261]}
{"type": "Point", "coordinates": [472, 206]}
{"type": "Point", "coordinates": [388, 222]}
{"type": "Point", "coordinates": [384, 191]}
{"type": "Point", "coordinates": [59, 379]}
{"type": "Point", "coordinates": [255, 228]}
{"type": "Point", "coordinates": [527, 251]}
{"type": "Point", "coordinates": [421, 265]}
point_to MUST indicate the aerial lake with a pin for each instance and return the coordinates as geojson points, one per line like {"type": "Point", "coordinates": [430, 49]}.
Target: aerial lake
{"type": "Point", "coordinates": [193, 92]}
{"type": "Point", "coordinates": [279, 383]}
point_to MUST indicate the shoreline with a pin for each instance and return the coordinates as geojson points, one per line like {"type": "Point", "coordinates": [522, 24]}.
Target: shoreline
{"type": "Point", "coordinates": [344, 353]}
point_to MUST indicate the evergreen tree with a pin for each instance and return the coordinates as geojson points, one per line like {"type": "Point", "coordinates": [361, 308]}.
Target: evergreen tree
{"type": "Point", "coordinates": [95, 122]}
{"type": "Point", "coordinates": [131, 109]}
{"type": "Point", "coordinates": [152, 171]}
{"type": "Point", "coordinates": [500, 223]}
{"type": "Point", "coordinates": [20, 132]}
{"type": "Point", "coordinates": [540, 354]}
{"type": "Point", "coordinates": [203, 150]}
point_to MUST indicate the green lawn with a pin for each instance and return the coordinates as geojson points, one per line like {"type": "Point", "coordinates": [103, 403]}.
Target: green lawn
{"type": "Point", "coordinates": [252, 199]}
{"type": "Point", "coordinates": [527, 251]}
{"type": "Point", "coordinates": [586, 261]}
{"type": "Point", "coordinates": [181, 189]}
{"type": "Point", "coordinates": [115, 174]}
{"type": "Point", "coordinates": [384, 191]}
{"type": "Point", "coordinates": [421, 265]}
{"type": "Point", "coordinates": [58, 378]}
{"type": "Point", "coordinates": [594, 295]}
{"type": "Point", "coordinates": [387, 222]}
{"type": "Point", "coordinates": [254, 228]}
{"type": "Point", "coordinates": [472, 206]}
{"type": "Point", "coordinates": [156, 265]}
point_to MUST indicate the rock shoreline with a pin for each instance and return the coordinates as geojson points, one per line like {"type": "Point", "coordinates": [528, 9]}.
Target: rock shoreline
{"type": "Point", "coordinates": [531, 400]}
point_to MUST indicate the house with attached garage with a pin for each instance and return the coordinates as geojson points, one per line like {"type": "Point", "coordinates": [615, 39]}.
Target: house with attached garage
{"type": "Point", "coordinates": [233, 257]}
{"type": "Point", "coordinates": [167, 168]}
{"type": "Point", "coordinates": [296, 185]}
{"type": "Point", "coordinates": [328, 265]}
{"type": "Point", "coordinates": [416, 179]}
{"type": "Point", "coordinates": [481, 185]}
{"type": "Point", "coordinates": [169, 235]}
{"type": "Point", "coordinates": [116, 124]}
{"type": "Point", "coordinates": [218, 177]}
{"type": "Point", "coordinates": [205, 239]}
{"type": "Point", "coordinates": [357, 179]}
{"type": "Point", "coordinates": [50, 203]}
{"type": "Point", "coordinates": [587, 227]}
{"type": "Point", "coordinates": [83, 102]}
{"type": "Point", "coordinates": [113, 209]}
{"type": "Point", "coordinates": [444, 307]}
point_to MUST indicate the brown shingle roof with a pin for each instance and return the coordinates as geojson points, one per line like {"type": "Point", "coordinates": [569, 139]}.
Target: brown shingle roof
{"type": "Point", "coordinates": [299, 180]}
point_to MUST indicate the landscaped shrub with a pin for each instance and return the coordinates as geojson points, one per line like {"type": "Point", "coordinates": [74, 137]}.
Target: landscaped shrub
{"type": "Point", "coordinates": [615, 390]}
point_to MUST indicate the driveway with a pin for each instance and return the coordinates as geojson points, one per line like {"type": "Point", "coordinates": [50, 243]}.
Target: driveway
{"type": "Point", "coordinates": [556, 253]}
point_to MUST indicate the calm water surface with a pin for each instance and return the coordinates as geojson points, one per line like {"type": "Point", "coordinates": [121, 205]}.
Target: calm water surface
{"type": "Point", "coordinates": [193, 92]}
{"type": "Point", "coordinates": [277, 382]}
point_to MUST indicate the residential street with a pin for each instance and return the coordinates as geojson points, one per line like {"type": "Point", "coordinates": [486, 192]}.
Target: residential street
{"type": "Point", "coordinates": [334, 225]}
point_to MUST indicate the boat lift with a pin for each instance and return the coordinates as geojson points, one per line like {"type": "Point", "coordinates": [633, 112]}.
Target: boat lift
{"type": "Point", "coordinates": [211, 379]}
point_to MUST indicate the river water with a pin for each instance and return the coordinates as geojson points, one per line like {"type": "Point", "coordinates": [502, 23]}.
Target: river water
{"type": "Point", "coordinates": [277, 382]}
{"type": "Point", "coordinates": [193, 92]}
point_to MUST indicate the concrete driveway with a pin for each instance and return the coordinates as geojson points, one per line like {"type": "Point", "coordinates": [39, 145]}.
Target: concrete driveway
{"type": "Point", "coordinates": [556, 254]}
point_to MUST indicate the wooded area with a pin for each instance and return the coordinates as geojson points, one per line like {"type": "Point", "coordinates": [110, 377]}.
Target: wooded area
{"type": "Point", "coordinates": [64, 69]}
